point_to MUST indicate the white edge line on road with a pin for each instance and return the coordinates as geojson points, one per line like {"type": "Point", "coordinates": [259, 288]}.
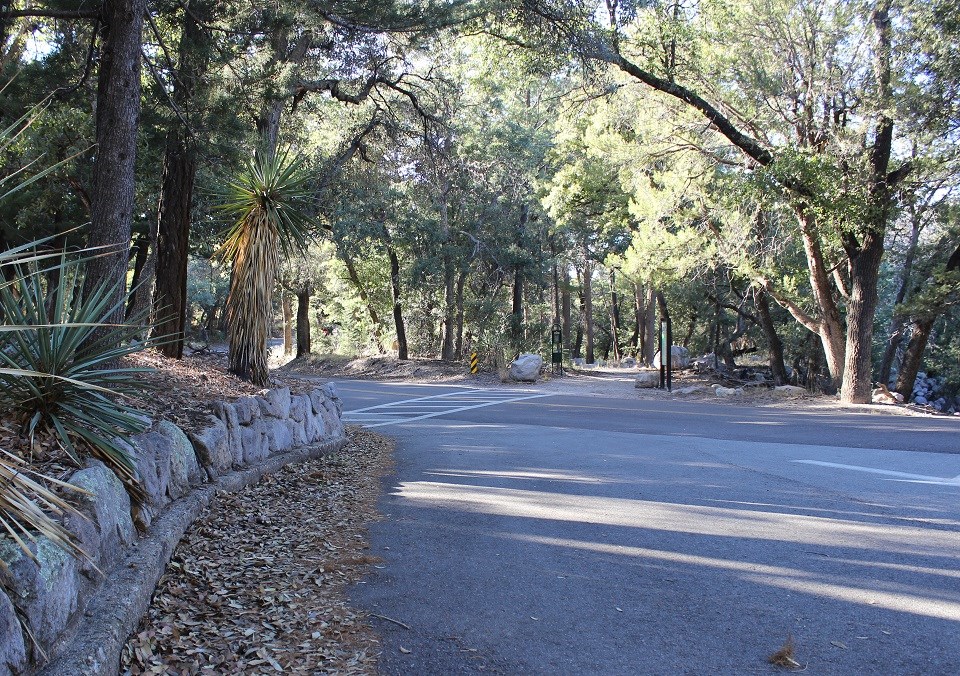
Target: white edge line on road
{"type": "Point", "coordinates": [457, 410]}
{"type": "Point", "coordinates": [955, 481]}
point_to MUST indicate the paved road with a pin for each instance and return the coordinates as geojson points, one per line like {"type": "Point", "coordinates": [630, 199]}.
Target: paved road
{"type": "Point", "coordinates": [569, 535]}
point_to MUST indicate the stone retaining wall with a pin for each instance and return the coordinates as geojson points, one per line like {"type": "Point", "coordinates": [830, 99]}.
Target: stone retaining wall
{"type": "Point", "coordinates": [52, 593]}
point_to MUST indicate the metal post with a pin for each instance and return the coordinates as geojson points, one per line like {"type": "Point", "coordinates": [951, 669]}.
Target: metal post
{"type": "Point", "coordinates": [556, 343]}
{"type": "Point", "coordinates": [666, 354]}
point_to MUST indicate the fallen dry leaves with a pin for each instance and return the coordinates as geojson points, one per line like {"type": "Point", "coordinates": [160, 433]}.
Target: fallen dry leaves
{"type": "Point", "coordinates": [258, 583]}
{"type": "Point", "coordinates": [183, 390]}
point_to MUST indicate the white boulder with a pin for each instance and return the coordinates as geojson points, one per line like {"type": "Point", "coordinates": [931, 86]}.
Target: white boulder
{"type": "Point", "coordinates": [788, 391]}
{"type": "Point", "coordinates": [648, 379]}
{"type": "Point", "coordinates": [679, 358]}
{"type": "Point", "coordinates": [526, 368]}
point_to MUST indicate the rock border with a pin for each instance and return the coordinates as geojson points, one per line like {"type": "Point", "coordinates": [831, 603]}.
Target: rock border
{"type": "Point", "coordinates": [70, 607]}
{"type": "Point", "coordinates": [113, 615]}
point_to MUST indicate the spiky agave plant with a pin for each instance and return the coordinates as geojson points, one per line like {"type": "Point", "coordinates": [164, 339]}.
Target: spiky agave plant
{"type": "Point", "coordinates": [56, 374]}
{"type": "Point", "coordinates": [270, 202]}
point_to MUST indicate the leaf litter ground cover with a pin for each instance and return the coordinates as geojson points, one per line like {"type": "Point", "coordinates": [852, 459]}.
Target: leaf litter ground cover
{"type": "Point", "coordinates": [258, 583]}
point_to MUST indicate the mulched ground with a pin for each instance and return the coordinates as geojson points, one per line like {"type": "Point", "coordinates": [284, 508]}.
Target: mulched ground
{"type": "Point", "coordinates": [258, 583]}
{"type": "Point", "coordinates": [183, 390]}
{"type": "Point", "coordinates": [385, 368]}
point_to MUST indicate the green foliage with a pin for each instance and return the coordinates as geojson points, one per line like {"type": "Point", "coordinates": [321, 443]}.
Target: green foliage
{"type": "Point", "coordinates": [57, 375]}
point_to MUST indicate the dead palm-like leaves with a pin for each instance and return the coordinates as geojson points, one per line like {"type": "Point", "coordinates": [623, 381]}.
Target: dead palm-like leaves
{"type": "Point", "coordinates": [26, 504]}
{"type": "Point", "coordinates": [784, 656]}
{"type": "Point", "coordinates": [269, 201]}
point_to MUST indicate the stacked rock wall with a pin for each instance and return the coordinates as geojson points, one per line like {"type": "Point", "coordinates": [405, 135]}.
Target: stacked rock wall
{"type": "Point", "coordinates": [51, 591]}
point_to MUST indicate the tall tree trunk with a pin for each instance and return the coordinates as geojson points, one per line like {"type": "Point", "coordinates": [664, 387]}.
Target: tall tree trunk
{"type": "Point", "coordinates": [913, 357]}
{"type": "Point", "coordinates": [566, 311]}
{"type": "Point", "coordinates": [895, 332]}
{"type": "Point", "coordinates": [303, 319]}
{"type": "Point", "coordinates": [140, 303]}
{"type": "Point", "coordinates": [865, 256]}
{"type": "Point", "coordinates": [830, 326]}
{"type": "Point", "coordinates": [140, 251]}
{"type": "Point", "coordinates": [861, 308]}
{"type": "Point", "coordinates": [920, 329]}
{"type": "Point", "coordinates": [287, 305]}
{"type": "Point", "coordinates": [449, 294]}
{"type": "Point", "coordinates": [614, 316]}
{"type": "Point", "coordinates": [517, 310]}
{"type": "Point", "coordinates": [118, 114]}
{"type": "Point", "coordinates": [449, 308]}
{"type": "Point", "coordinates": [362, 292]}
{"type": "Point", "coordinates": [774, 344]}
{"type": "Point", "coordinates": [588, 307]}
{"type": "Point", "coordinates": [458, 348]}
{"type": "Point", "coordinates": [402, 351]}
{"type": "Point", "coordinates": [637, 338]}
{"type": "Point", "coordinates": [176, 191]}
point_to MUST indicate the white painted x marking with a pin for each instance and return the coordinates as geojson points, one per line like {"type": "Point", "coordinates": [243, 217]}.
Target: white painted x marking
{"type": "Point", "coordinates": [420, 408]}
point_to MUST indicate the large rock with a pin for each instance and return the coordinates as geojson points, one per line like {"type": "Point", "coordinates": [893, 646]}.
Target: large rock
{"type": "Point", "coordinates": [45, 591]}
{"type": "Point", "coordinates": [152, 459]}
{"type": "Point", "coordinates": [648, 379]}
{"type": "Point", "coordinates": [788, 391]}
{"type": "Point", "coordinates": [628, 363]}
{"type": "Point", "coordinates": [680, 358]}
{"type": "Point", "coordinates": [314, 427]}
{"type": "Point", "coordinates": [330, 390]}
{"type": "Point", "coordinates": [212, 448]}
{"type": "Point", "coordinates": [247, 409]}
{"type": "Point", "coordinates": [279, 434]}
{"type": "Point", "coordinates": [254, 441]}
{"type": "Point", "coordinates": [13, 651]}
{"type": "Point", "coordinates": [108, 507]}
{"type": "Point", "coordinates": [299, 405]}
{"type": "Point", "coordinates": [230, 416]}
{"type": "Point", "coordinates": [184, 468]}
{"type": "Point", "coordinates": [276, 402]}
{"type": "Point", "coordinates": [526, 368]}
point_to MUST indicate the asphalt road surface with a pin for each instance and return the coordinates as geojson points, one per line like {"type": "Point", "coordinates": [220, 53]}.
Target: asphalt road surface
{"type": "Point", "coordinates": [580, 535]}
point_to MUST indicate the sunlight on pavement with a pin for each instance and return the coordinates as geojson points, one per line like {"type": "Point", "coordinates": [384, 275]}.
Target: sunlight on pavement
{"type": "Point", "coordinates": [680, 518]}
{"type": "Point", "coordinates": [532, 475]}
{"type": "Point", "coordinates": [910, 600]}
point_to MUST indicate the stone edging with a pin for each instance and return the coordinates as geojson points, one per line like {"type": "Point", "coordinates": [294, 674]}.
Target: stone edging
{"type": "Point", "coordinates": [111, 616]}
{"type": "Point", "coordinates": [73, 612]}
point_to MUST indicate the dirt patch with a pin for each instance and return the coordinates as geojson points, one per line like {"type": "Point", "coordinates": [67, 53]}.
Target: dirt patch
{"type": "Point", "coordinates": [258, 583]}
{"type": "Point", "coordinates": [381, 368]}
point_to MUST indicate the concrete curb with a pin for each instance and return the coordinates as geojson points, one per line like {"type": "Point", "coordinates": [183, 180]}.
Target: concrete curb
{"type": "Point", "coordinates": [95, 639]}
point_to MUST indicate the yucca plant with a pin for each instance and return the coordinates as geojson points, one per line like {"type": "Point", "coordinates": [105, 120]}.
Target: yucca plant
{"type": "Point", "coordinates": [56, 375]}
{"type": "Point", "coordinates": [30, 501]}
{"type": "Point", "coordinates": [270, 202]}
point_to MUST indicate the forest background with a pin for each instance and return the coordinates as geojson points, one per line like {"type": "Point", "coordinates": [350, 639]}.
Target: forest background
{"type": "Point", "coordinates": [426, 178]}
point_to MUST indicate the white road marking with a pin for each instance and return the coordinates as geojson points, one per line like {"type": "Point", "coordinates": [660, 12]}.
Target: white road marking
{"type": "Point", "coordinates": [397, 412]}
{"type": "Point", "coordinates": [905, 476]}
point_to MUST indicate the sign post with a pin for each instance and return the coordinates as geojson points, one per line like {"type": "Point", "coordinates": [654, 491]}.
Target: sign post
{"type": "Point", "coordinates": [666, 355]}
{"type": "Point", "coordinates": [474, 363]}
{"type": "Point", "coordinates": [556, 342]}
